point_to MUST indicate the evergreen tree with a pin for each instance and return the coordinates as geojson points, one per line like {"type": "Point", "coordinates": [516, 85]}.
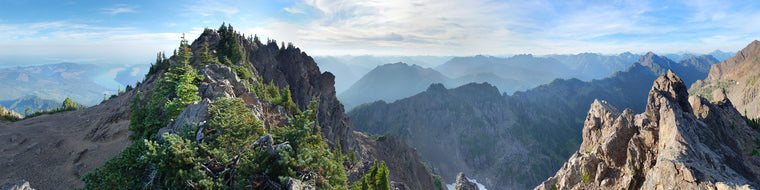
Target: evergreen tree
{"type": "Point", "coordinates": [69, 104]}
{"type": "Point", "coordinates": [206, 57]}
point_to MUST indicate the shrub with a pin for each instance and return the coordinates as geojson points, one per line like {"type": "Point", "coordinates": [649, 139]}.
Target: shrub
{"type": "Point", "coordinates": [376, 178]}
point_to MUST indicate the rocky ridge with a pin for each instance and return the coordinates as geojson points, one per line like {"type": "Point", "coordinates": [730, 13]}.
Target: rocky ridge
{"type": "Point", "coordinates": [738, 77]}
{"type": "Point", "coordinates": [679, 142]}
{"type": "Point", "coordinates": [79, 141]}
{"type": "Point", "coordinates": [293, 69]}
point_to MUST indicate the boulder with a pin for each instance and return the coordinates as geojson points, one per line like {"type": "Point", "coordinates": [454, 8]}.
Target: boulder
{"type": "Point", "coordinates": [193, 115]}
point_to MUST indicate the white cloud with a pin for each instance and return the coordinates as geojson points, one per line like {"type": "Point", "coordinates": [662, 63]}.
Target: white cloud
{"type": "Point", "coordinates": [293, 10]}
{"type": "Point", "coordinates": [119, 9]}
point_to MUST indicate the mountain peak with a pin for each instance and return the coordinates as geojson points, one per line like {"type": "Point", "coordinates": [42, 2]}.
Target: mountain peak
{"type": "Point", "coordinates": [670, 87]}
{"type": "Point", "coordinates": [653, 60]}
{"type": "Point", "coordinates": [666, 147]}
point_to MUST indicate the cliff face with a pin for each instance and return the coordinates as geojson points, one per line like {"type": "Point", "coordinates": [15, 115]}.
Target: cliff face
{"type": "Point", "coordinates": [738, 77]}
{"type": "Point", "coordinates": [679, 142]}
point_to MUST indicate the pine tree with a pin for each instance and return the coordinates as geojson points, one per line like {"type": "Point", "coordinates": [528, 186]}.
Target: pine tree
{"type": "Point", "coordinates": [206, 57]}
{"type": "Point", "coordinates": [69, 104]}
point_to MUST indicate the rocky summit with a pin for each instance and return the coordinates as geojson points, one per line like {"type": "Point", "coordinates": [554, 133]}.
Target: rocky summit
{"type": "Point", "coordinates": [679, 142]}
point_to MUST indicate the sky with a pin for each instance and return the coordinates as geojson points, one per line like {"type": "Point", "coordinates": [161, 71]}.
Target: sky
{"type": "Point", "coordinates": [132, 32]}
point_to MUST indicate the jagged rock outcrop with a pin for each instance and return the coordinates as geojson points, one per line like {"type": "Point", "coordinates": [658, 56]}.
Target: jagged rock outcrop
{"type": "Point", "coordinates": [738, 77]}
{"type": "Point", "coordinates": [21, 185]}
{"type": "Point", "coordinates": [679, 142]}
{"type": "Point", "coordinates": [464, 184]}
{"type": "Point", "coordinates": [11, 113]}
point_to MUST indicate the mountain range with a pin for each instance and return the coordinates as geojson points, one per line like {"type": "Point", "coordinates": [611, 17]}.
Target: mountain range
{"type": "Point", "coordinates": [75, 143]}
{"type": "Point", "coordinates": [34, 103]}
{"type": "Point", "coordinates": [493, 136]}
{"type": "Point", "coordinates": [738, 78]}
{"type": "Point", "coordinates": [85, 83]}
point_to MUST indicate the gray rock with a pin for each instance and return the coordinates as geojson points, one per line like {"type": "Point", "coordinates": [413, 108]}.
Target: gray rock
{"type": "Point", "coordinates": [464, 184]}
{"type": "Point", "coordinates": [294, 184]}
{"type": "Point", "coordinates": [192, 115]}
{"type": "Point", "coordinates": [21, 185]}
{"type": "Point", "coordinates": [680, 142]}
{"type": "Point", "coordinates": [399, 186]}
{"type": "Point", "coordinates": [221, 81]}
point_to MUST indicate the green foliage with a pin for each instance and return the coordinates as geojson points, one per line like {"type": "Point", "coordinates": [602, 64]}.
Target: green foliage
{"type": "Point", "coordinates": [753, 123]}
{"type": "Point", "coordinates": [7, 116]}
{"type": "Point", "coordinates": [309, 154]}
{"type": "Point", "coordinates": [586, 177]}
{"type": "Point", "coordinates": [380, 138]}
{"type": "Point", "coordinates": [438, 183]}
{"type": "Point", "coordinates": [232, 125]}
{"type": "Point", "coordinates": [229, 45]}
{"type": "Point", "coordinates": [554, 187]}
{"type": "Point", "coordinates": [225, 158]}
{"type": "Point", "coordinates": [172, 93]}
{"type": "Point", "coordinates": [242, 72]}
{"type": "Point", "coordinates": [67, 105]}
{"type": "Point", "coordinates": [376, 178]}
{"type": "Point", "coordinates": [161, 64]}
{"type": "Point", "coordinates": [591, 149]}
{"type": "Point", "coordinates": [123, 171]}
{"type": "Point", "coordinates": [274, 95]}
{"type": "Point", "coordinates": [206, 57]}
{"type": "Point", "coordinates": [754, 152]}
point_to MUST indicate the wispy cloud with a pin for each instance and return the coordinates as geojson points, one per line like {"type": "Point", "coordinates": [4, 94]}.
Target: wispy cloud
{"type": "Point", "coordinates": [511, 26]}
{"type": "Point", "coordinates": [293, 10]}
{"type": "Point", "coordinates": [118, 9]}
{"type": "Point", "coordinates": [46, 42]}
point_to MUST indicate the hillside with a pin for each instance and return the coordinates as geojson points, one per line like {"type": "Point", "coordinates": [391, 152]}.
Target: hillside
{"type": "Point", "coordinates": [390, 82]}
{"type": "Point", "coordinates": [738, 77]}
{"type": "Point", "coordinates": [34, 103]}
{"type": "Point", "coordinates": [679, 142]}
{"type": "Point", "coordinates": [497, 135]}
{"type": "Point", "coordinates": [80, 141]}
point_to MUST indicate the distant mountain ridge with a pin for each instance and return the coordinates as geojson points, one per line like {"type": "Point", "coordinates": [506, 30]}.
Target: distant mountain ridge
{"type": "Point", "coordinates": [497, 135]}
{"type": "Point", "coordinates": [391, 82]}
{"type": "Point", "coordinates": [82, 82]}
{"type": "Point", "coordinates": [33, 102]}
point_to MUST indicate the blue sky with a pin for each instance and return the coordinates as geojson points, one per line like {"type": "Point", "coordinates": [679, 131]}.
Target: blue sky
{"type": "Point", "coordinates": [131, 32]}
